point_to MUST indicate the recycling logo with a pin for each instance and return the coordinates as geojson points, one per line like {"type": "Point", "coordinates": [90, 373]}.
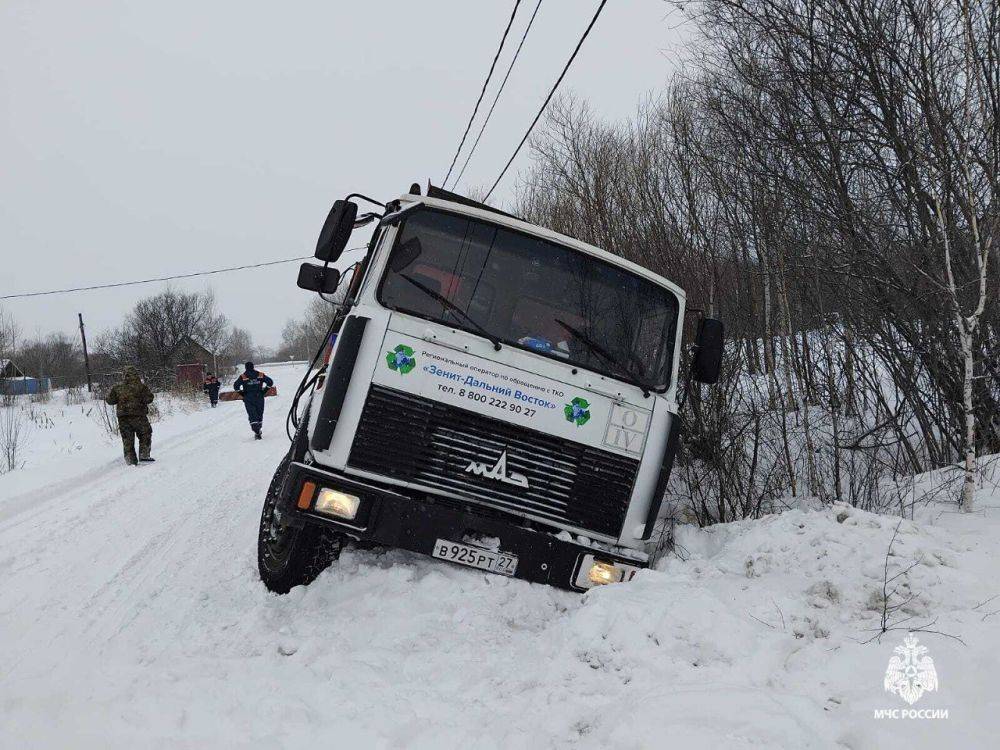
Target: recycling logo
{"type": "Point", "coordinates": [401, 359]}
{"type": "Point", "coordinates": [578, 411]}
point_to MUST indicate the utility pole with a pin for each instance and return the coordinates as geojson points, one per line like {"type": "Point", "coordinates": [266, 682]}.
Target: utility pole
{"type": "Point", "coordinates": [86, 357]}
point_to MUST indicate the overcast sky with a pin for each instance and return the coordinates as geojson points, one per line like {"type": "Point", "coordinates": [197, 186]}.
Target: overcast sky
{"type": "Point", "coordinates": [149, 139]}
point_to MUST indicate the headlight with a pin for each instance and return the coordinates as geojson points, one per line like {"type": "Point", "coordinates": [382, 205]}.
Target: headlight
{"type": "Point", "coordinates": [336, 503]}
{"type": "Point", "coordinates": [602, 572]}
{"type": "Point", "coordinates": [594, 572]}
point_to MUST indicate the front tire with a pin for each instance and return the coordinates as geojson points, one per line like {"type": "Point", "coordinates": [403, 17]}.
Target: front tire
{"type": "Point", "coordinates": [289, 556]}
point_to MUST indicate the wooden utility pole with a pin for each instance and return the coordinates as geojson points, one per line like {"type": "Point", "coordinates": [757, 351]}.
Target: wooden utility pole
{"type": "Point", "coordinates": [86, 357]}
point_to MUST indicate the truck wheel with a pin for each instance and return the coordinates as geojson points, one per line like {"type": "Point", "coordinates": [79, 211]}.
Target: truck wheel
{"type": "Point", "coordinates": [289, 556]}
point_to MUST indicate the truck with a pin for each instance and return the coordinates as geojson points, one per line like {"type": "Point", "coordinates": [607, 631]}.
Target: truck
{"type": "Point", "coordinates": [494, 395]}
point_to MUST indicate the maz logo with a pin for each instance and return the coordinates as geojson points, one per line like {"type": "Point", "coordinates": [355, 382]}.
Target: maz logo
{"type": "Point", "coordinates": [498, 471]}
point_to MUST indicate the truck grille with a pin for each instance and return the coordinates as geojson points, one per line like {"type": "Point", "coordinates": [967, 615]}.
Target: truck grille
{"type": "Point", "coordinates": [418, 440]}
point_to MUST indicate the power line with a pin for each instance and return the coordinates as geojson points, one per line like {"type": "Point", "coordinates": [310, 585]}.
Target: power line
{"type": "Point", "coordinates": [152, 281]}
{"type": "Point", "coordinates": [548, 98]}
{"type": "Point", "coordinates": [482, 92]}
{"type": "Point", "coordinates": [500, 91]}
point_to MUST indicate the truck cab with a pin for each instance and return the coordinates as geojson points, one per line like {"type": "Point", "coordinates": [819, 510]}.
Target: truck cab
{"type": "Point", "coordinates": [498, 396]}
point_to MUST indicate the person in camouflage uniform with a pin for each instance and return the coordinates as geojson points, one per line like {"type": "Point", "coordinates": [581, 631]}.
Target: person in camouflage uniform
{"type": "Point", "coordinates": [131, 399]}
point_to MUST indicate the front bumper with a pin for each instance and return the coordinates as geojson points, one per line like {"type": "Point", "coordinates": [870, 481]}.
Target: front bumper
{"type": "Point", "coordinates": [390, 518]}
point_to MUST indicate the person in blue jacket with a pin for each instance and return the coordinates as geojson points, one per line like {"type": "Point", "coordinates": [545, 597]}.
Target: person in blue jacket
{"type": "Point", "coordinates": [253, 384]}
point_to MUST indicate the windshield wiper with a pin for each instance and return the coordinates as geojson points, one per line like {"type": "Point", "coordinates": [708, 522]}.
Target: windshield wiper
{"type": "Point", "coordinates": [455, 308]}
{"type": "Point", "coordinates": [619, 368]}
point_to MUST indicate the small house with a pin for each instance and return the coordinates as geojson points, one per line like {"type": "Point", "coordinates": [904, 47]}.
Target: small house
{"type": "Point", "coordinates": [13, 381]}
{"type": "Point", "coordinates": [193, 361]}
{"type": "Point", "coordinates": [8, 370]}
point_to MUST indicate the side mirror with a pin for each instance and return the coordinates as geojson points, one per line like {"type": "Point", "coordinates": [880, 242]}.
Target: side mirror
{"type": "Point", "coordinates": [708, 352]}
{"type": "Point", "coordinates": [336, 231]}
{"type": "Point", "coordinates": [404, 255]}
{"type": "Point", "coordinates": [318, 279]}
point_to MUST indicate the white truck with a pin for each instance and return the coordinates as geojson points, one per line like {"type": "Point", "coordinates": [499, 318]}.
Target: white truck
{"type": "Point", "coordinates": [498, 396]}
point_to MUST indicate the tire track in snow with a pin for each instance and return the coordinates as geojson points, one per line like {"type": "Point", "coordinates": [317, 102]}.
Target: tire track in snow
{"type": "Point", "coordinates": [195, 534]}
{"type": "Point", "coordinates": [97, 555]}
{"type": "Point", "coordinates": [38, 499]}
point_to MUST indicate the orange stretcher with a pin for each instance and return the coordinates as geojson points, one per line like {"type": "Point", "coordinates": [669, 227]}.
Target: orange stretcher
{"type": "Point", "coordinates": [237, 396]}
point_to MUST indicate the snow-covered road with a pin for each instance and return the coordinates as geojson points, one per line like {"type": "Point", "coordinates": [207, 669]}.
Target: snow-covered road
{"type": "Point", "coordinates": [113, 577]}
{"type": "Point", "coordinates": [131, 616]}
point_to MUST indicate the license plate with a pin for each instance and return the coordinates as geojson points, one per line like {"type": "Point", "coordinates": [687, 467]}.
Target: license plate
{"type": "Point", "coordinates": [475, 557]}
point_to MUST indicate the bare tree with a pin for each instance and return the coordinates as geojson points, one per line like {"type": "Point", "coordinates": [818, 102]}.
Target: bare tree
{"type": "Point", "coordinates": [823, 176]}
{"type": "Point", "coordinates": [302, 337]}
{"type": "Point", "coordinates": [10, 333]}
{"type": "Point", "coordinates": [158, 328]}
{"type": "Point", "coordinates": [56, 356]}
{"type": "Point", "coordinates": [13, 433]}
{"type": "Point", "coordinates": [238, 347]}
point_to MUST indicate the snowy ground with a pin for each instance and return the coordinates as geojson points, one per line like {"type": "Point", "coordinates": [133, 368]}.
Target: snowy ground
{"type": "Point", "coordinates": [131, 616]}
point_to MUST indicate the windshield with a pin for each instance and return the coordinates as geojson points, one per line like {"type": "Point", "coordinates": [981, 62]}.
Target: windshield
{"type": "Point", "coordinates": [522, 291]}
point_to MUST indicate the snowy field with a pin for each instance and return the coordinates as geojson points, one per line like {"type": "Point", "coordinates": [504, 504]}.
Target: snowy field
{"type": "Point", "coordinates": [131, 616]}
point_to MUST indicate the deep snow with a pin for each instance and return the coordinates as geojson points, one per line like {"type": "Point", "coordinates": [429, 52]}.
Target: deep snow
{"type": "Point", "coordinates": [131, 616]}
